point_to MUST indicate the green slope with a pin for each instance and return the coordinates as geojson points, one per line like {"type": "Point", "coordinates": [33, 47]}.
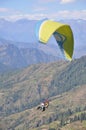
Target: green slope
{"type": "Point", "coordinates": [70, 77]}
{"type": "Point", "coordinates": [63, 109]}
{"type": "Point", "coordinates": [25, 88]}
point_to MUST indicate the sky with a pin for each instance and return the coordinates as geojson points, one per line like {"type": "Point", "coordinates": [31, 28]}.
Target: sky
{"type": "Point", "coordinates": [40, 9]}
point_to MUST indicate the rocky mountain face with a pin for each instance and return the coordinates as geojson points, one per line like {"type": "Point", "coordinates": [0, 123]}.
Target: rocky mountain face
{"type": "Point", "coordinates": [11, 56]}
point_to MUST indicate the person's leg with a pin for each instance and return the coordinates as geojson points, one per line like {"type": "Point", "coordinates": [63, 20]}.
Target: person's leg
{"type": "Point", "coordinates": [43, 109]}
{"type": "Point", "coordinates": [39, 108]}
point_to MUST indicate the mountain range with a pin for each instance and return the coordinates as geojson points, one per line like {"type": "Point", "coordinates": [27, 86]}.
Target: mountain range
{"type": "Point", "coordinates": [20, 48]}
{"type": "Point", "coordinates": [12, 57]}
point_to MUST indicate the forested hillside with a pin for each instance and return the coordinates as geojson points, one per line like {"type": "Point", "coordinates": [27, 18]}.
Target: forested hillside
{"type": "Point", "coordinates": [24, 89]}
{"type": "Point", "coordinates": [73, 75]}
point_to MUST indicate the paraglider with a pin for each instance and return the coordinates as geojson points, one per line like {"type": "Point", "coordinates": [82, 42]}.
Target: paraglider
{"type": "Point", "coordinates": [62, 33]}
{"type": "Point", "coordinates": [43, 105]}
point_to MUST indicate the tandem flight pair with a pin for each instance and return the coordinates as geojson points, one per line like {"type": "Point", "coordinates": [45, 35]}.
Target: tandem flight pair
{"type": "Point", "coordinates": [62, 33]}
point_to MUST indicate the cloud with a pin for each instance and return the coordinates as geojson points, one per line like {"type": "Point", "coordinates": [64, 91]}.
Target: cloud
{"type": "Point", "coordinates": [2, 10]}
{"type": "Point", "coordinates": [72, 14]}
{"type": "Point", "coordinates": [39, 9]}
{"type": "Point", "coordinates": [66, 1]}
{"type": "Point", "coordinates": [46, 0]}
{"type": "Point", "coordinates": [55, 16]}
{"type": "Point", "coordinates": [8, 11]}
{"type": "Point", "coordinates": [15, 17]}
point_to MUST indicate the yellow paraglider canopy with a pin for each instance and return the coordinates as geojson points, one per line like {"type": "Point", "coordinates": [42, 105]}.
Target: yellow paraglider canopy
{"type": "Point", "coordinates": [62, 33]}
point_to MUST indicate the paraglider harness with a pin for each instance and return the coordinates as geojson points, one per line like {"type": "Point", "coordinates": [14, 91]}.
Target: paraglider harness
{"type": "Point", "coordinates": [43, 105]}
